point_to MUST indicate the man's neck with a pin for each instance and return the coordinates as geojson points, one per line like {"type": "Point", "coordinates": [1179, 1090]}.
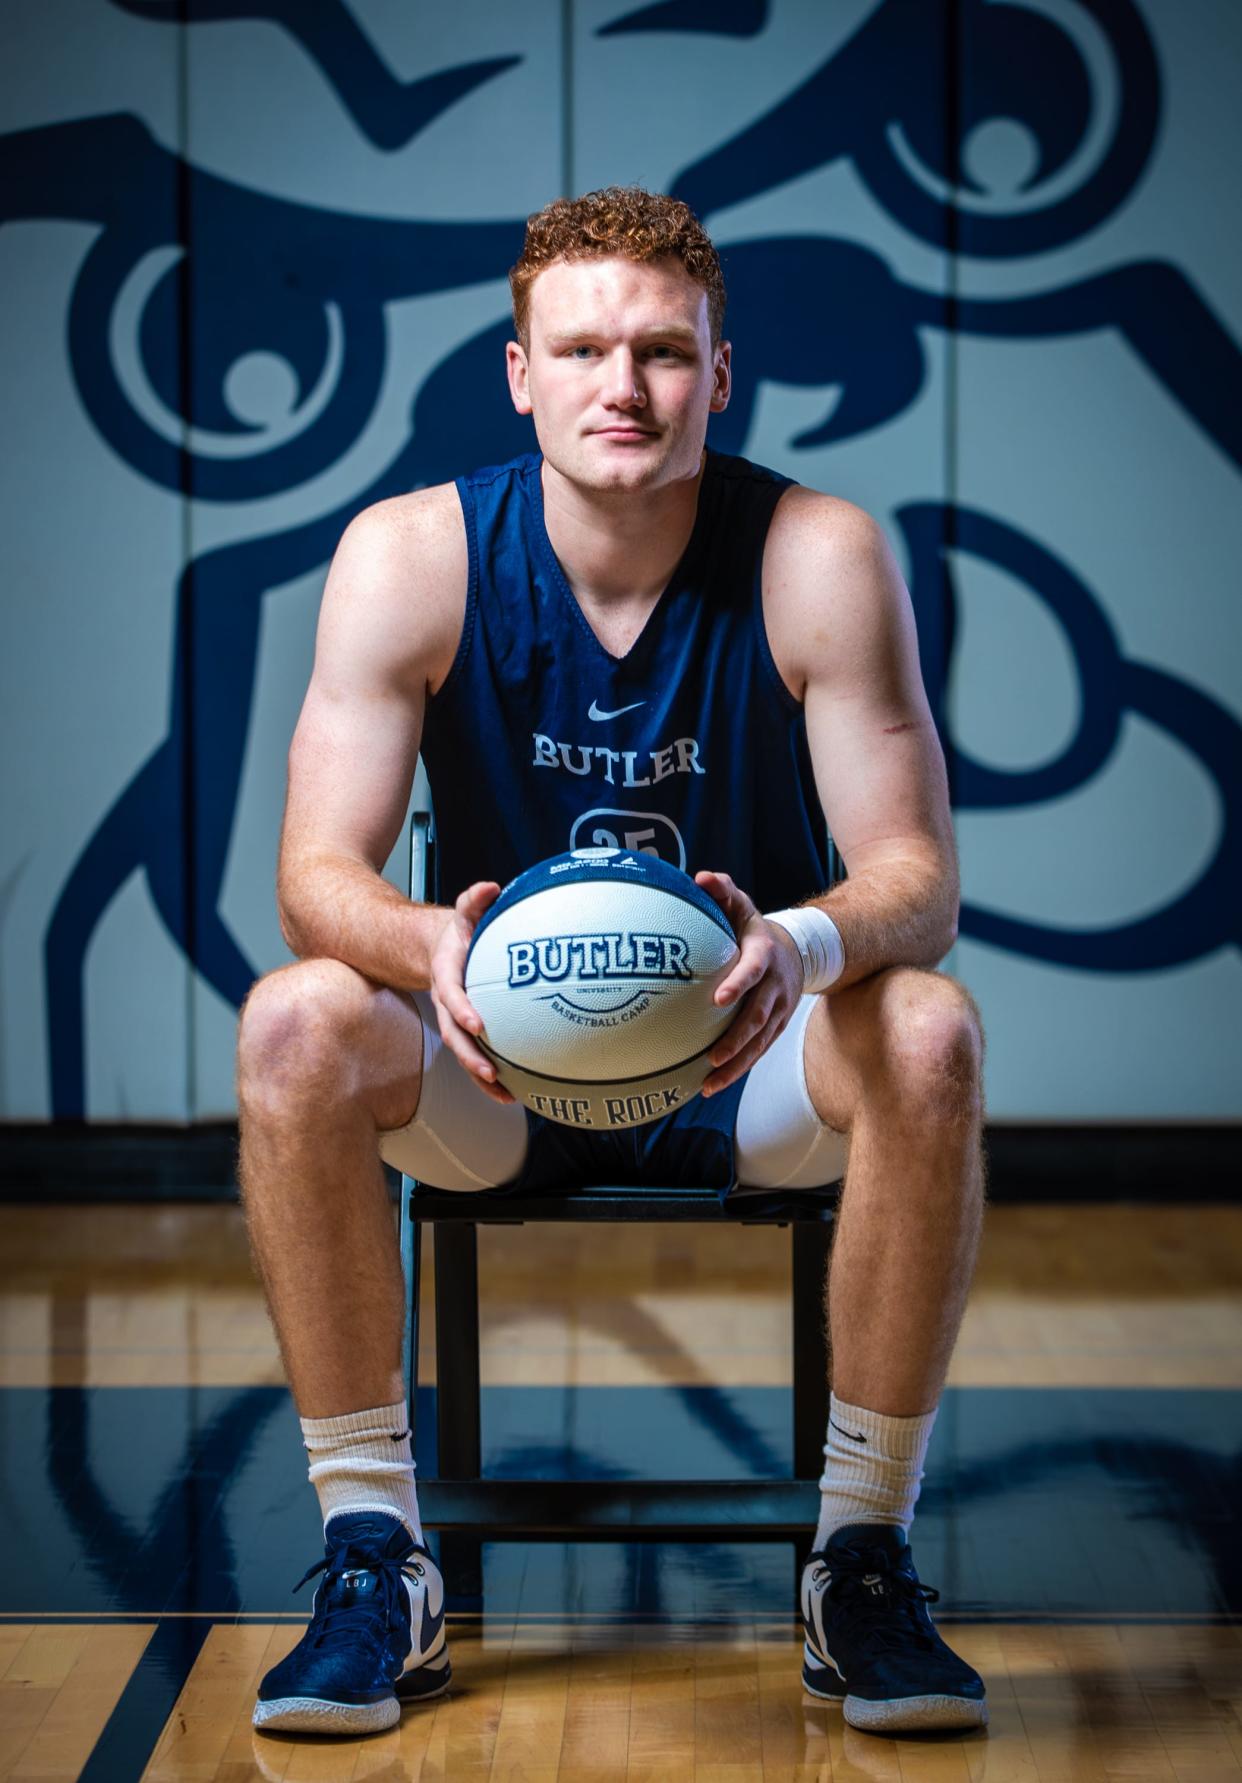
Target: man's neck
{"type": "Point", "coordinates": [619, 549]}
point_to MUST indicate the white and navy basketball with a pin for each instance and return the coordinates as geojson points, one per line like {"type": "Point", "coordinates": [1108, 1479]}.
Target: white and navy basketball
{"type": "Point", "coordinates": [593, 973]}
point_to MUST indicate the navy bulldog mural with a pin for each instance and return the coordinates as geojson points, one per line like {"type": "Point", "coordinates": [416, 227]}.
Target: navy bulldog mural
{"type": "Point", "coordinates": [978, 282]}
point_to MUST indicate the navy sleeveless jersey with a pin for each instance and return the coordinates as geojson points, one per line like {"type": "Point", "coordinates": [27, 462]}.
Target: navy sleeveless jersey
{"type": "Point", "coordinates": [690, 746]}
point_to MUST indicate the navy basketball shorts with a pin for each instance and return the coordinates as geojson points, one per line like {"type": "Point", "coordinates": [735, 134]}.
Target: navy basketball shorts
{"type": "Point", "coordinates": [459, 1138]}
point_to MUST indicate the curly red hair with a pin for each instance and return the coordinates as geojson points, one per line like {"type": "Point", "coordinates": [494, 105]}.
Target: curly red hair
{"type": "Point", "coordinates": [626, 220]}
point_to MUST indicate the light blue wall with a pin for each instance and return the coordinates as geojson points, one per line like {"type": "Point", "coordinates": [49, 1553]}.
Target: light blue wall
{"type": "Point", "coordinates": [1033, 380]}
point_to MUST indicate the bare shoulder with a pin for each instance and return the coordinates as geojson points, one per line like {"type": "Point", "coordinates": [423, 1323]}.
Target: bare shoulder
{"type": "Point", "coordinates": [832, 589]}
{"type": "Point", "coordinates": [398, 578]}
{"type": "Point", "coordinates": [812, 533]}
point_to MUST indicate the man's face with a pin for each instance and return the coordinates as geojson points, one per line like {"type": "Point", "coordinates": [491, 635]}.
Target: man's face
{"type": "Point", "coordinates": [621, 375]}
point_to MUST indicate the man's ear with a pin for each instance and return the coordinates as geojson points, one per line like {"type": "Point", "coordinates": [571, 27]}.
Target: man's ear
{"type": "Point", "coordinates": [518, 372]}
{"type": "Point", "coordinates": [722, 375]}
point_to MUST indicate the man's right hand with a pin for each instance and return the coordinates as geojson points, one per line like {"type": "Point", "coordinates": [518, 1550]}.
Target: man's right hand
{"type": "Point", "coordinates": [459, 1019]}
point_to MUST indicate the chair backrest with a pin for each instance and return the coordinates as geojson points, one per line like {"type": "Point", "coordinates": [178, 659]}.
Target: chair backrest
{"type": "Point", "coordinates": [424, 881]}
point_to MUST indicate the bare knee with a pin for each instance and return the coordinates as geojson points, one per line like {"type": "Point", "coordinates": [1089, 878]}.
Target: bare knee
{"type": "Point", "coordinates": [310, 1033]}
{"type": "Point", "coordinates": [926, 1049]}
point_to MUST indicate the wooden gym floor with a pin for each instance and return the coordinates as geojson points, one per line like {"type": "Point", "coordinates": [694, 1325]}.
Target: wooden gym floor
{"type": "Point", "coordinates": [1079, 1515]}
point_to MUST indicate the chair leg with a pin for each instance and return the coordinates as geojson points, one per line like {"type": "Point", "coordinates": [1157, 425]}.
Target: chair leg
{"type": "Point", "coordinates": [411, 1260]}
{"type": "Point", "coordinates": [812, 1241]}
{"type": "Point", "coordinates": [458, 1419]}
{"type": "Point", "coordinates": [412, 1336]}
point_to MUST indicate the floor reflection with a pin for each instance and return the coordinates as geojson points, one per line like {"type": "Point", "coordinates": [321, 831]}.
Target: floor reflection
{"type": "Point", "coordinates": [1056, 1502]}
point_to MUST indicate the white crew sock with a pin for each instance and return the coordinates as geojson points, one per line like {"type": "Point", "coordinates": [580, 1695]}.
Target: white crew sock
{"type": "Point", "coordinates": [873, 1467]}
{"type": "Point", "coordinates": [362, 1462]}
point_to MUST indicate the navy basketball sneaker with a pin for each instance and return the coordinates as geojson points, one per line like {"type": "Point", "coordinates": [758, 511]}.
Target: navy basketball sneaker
{"type": "Point", "coordinates": [376, 1635]}
{"type": "Point", "coordinates": [870, 1638]}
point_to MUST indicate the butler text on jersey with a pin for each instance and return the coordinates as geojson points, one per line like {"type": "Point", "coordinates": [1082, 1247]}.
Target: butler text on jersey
{"type": "Point", "coordinates": [637, 767]}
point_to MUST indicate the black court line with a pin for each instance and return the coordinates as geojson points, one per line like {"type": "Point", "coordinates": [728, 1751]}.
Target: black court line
{"type": "Point", "coordinates": [123, 1750]}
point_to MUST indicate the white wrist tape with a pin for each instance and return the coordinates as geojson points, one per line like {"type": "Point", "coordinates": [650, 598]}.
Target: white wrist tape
{"type": "Point", "coordinates": [818, 941]}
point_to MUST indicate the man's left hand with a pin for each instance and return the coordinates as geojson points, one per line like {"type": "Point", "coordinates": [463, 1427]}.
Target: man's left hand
{"type": "Point", "coordinates": [766, 983]}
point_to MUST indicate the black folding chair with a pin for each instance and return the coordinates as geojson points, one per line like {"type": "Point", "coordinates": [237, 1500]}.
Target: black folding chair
{"type": "Point", "coordinates": [467, 1508]}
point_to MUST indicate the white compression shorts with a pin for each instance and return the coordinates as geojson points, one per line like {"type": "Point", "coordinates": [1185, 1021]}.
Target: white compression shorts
{"type": "Point", "coordinates": [461, 1139]}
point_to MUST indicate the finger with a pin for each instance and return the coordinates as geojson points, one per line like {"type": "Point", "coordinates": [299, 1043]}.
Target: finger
{"type": "Point", "coordinates": [719, 885]}
{"type": "Point", "coordinates": [750, 1054]}
{"type": "Point", "coordinates": [482, 1072]}
{"type": "Point", "coordinates": [749, 968]}
{"type": "Point", "coordinates": [464, 1013]}
{"type": "Point", "coordinates": [470, 1057]}
{"type": "Point", "coordinates": [469, 907]}
{"type": "Point", "coordinates": [452, 998]}
{"type": "Point", "coordinates": [755, 1047]}
{"type": "Point", "coordinates": [476, 899]}
{"type": "Point", "coordinates": [750, 1020]}
{"type": "Point", "coordinates": [495, 1092]}
{"type": "Point", "coordinates": [458, 1038]}
{"type": "Point", "coordinates": [721, 889]}
{"type": "Point", "coordinates": [738, 906]}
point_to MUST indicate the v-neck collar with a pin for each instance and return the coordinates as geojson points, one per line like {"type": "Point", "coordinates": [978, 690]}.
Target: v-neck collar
{"type": "Point", "coordinates": [680, 569]}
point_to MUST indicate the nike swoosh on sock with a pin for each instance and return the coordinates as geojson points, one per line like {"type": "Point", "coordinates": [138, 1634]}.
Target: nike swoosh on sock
{"type": "Point", "coordinates": [854, 1435]}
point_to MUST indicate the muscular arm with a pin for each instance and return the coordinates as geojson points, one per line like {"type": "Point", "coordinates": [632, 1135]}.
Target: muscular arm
{"type": "Point", "coordinates": [843, 633]}
{"type": "Point", "coordinates": [388, 628]}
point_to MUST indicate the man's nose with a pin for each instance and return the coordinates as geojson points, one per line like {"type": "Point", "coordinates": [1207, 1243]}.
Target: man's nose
{"type": "Point", "coordinates": [625, 386]}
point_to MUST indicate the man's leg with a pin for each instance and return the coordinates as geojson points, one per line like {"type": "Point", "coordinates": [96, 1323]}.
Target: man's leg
{"type": "Point", "coordinates": [326, 1060]}
{"type": "Point", "coordinates": [895, 1062]}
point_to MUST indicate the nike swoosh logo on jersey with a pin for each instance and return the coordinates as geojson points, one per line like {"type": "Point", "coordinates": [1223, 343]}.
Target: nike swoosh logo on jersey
{"type": "Point", "coordinates": [597, 715]}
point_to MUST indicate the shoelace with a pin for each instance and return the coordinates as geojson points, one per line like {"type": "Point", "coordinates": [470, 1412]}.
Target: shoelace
{"type": "Point", "coordinates": [863, 1581]}
{"type": "Point", "coordinates": [340, 1622]}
